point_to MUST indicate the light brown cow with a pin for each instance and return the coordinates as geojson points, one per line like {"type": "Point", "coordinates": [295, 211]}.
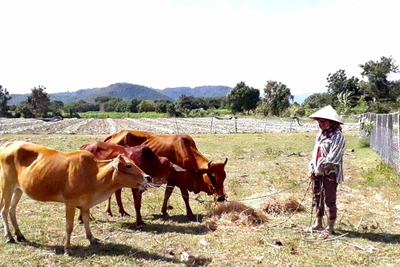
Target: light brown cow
{"type": "Point", "coordinates": [202, 175]}
{"type": "Point", "coordinates": [74, 178]}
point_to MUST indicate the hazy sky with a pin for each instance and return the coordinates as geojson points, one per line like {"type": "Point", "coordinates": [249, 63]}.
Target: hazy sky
{"type": "Point", "coordinates": [71, 45]}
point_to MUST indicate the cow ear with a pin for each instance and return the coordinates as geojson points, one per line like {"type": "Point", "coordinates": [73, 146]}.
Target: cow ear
{"type": "Point", "coordinates": [226, 161]}
{"type": "Point", "coordinates": [176, 167]}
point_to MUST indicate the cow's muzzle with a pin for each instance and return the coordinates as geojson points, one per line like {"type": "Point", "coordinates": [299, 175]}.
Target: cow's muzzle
{"type": "Point", "coordinates": [148, 179]}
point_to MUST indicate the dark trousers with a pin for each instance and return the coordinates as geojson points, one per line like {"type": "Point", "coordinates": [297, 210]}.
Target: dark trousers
{"type": "Point", "coordinates": [324, 193]}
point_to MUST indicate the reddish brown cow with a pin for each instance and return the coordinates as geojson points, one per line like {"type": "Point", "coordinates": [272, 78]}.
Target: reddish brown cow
{"type": "Point", "coordinates": [201, 174]}
{"type": "Point", "coordinates": [73, 178]}
{"type": "Point", "coordinates": [160, 168]}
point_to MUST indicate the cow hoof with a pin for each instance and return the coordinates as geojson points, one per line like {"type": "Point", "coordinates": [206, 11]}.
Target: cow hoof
{"type": "Point", "coordinates": [21, 238]}
{"type": "Point", "coordinates": [124, 214]}
{"type": "Point", "coordinates": [95, 241]}
{"type": "Point", "coordinates": [67, 253]}
{"type": "Point", "coordinates": [10, 241]}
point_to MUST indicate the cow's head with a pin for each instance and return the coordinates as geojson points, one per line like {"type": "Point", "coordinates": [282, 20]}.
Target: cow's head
{"type": "Point", "coordinates": [128, 174]}
{"type": "Point", "coordinates": [214, 176]}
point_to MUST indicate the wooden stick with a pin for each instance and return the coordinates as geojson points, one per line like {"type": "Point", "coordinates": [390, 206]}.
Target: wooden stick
{"type": "Point", "coordinates": [327, 239]}
{"type": "Point", "coordinates": [341, 217]}
{"type": "Point", "coordinates": [358, 226]}
{"type": "Point", "coordinates": [368, 249]}
{"type": "Point", "coordinates": [272, 245]}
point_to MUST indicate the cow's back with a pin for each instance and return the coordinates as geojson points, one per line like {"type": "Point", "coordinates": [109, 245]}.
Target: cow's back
{"type": "Point", "coordinates": [103, 151]}
{"type": "Point", "coordinates": [178, 148]}
{"type": "Point", "coordinates": [45, 174]}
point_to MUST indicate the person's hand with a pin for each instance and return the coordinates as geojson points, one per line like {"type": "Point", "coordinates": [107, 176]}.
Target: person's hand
{"type": "Point", "coordinates": [311, 175]}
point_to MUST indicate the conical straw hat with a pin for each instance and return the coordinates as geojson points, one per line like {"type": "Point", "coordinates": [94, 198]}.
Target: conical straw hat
{"type": "Point", "coordinates": [328, 113]}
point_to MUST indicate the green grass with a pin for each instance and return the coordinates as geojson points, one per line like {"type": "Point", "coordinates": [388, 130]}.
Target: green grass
{"type": "Point", "coordinates": [258, 165]}
{"type": "Point", "coordinates": [120, 115]}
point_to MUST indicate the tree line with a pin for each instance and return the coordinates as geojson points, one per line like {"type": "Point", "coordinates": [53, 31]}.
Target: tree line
{"type": "Point", "coordinates": [374, 93]}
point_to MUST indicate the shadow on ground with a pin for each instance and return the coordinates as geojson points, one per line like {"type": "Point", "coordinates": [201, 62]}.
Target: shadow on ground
{"type": "Point", "coordinates": [112, 249]}
{"type": "Point", "coordinates": [375, 237]}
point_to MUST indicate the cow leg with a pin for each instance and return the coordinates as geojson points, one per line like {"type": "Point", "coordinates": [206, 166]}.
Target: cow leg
{"type": "Point", "coordinates": [167, 195]}
{"type": "Point", "coordinates": [5, 207]}
{"type": "Point", "coordinates": [89, 235]}
{"type": "Point", "coordinates": [137, 201]}
{"type": "Point", "coordinates": [69, 217]}
{"type": "Point", "coordinates": [108, 207]}
{"type": "Point", "coordinates": [14, 202]}
{"type": "Point", "coordinates": [185, 196]}
{"type": "Point", "coordinates": [118, 197]}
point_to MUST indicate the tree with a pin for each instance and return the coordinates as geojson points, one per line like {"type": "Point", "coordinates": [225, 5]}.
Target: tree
{"type": "Point", "coordinates": [214, 102]}
{"type": "Point", "coordinates": [56, 106]}
{"type": "Point", "coordinates": [71, 110]}
{"type": "Point", "coordinates": [338, 83]}
{"type": "Point", "coordinates": [117, 105]}
{"type": "Point", "coordinates": [23, 109]}
{"type": "Point", "coordinates": [134, 105]}
{"type": "Point", "coordinates": [185, 104]}
{"type": "Point", "coordinates": [318, 100]}
{"type": "Point", "coordinates": [172, 111]}
{"type": "Point", "coordinates": [39, 101]}
{"type": "Point", "coordinates": [377, 73]}
{"type": "Point", "coordinates": [161, 106]}
{"type": "Point", "coordinates": [277, 96]}
{"type": "Point", "coordinates": [146, 106]}
{"type": "Point", "coordinates": [102, 101]}
{"type": "Point", "coordinates": [4, 97]}
{"type": "Point", "coordinates": [243, 98]}
{"type": "Point", "coordinates": [344, 102]}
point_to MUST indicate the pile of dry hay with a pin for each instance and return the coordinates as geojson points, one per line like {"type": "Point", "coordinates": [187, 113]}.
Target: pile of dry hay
{"type": "Point", "coordinates": [234, 213]}
{"type": "Point", "coordinates": [281, 205]}
{"type": "Point", "coordinates": [237, 213]}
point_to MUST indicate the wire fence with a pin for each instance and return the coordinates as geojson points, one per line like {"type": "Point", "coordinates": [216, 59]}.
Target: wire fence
{"type": "Point", "coordinates": [382, 132]}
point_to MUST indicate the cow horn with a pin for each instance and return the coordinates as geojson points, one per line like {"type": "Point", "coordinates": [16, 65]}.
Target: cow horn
{"type": "Point", "coordinates": [115, 162]}
{"type": "Point", "coordinates": [209, 164]}
{"type": "Point", "coordinates": [226, 160]}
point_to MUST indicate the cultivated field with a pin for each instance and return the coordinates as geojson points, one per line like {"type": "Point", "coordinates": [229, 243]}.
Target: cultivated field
{"type": "Point", "coordinates": [161, 125]}
{"type": "Point", "coordinates": [265, 170]}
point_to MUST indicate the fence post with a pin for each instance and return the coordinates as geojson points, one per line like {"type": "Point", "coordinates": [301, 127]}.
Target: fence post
{"type": "Point", "coordinates": [235, 125]}
{"type": "Point", "coordinates": [398, 142]}
{"type": "Point", "coordinates": [390, 138]}
{"type": "Point", "coordinates": [212, 118]}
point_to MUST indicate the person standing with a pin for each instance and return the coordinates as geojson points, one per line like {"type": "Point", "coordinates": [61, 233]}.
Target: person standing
{"type": "Point", "coordinates": [326, 166]}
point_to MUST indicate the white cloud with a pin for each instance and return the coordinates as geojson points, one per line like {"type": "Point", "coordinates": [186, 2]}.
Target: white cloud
{"type": "Point", "coordinates": [72, 45]}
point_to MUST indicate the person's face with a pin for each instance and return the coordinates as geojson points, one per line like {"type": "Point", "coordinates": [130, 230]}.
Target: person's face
{"type": "Point", "coordinates": [324, 124]}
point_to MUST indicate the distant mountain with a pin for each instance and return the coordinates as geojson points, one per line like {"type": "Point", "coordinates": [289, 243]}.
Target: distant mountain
{"type": "Point", "coordinates": [201, 91]}
{"type": "Point", "coordinates": [128, 91]}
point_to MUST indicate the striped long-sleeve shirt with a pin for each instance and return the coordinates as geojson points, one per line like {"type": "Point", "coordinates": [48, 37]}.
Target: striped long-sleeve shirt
{"type": "Point", "coordinates": [331, 151]}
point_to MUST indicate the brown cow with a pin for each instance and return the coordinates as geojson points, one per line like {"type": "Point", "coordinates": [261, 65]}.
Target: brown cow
{"type": "Point", "coordinates": [160, 168]}
{"type": "Point", "coordinates": [201, 174]}
{"type": "Point", "coordinates": [74, 178]}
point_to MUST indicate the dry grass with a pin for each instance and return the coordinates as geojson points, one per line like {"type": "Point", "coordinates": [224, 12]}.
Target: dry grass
{"type": "Point", "coordinates": [283, 205]}
{"type": "Point", "coordinates": [234, 213]}
{"type": "Point", "coordinates": [260, 226]}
